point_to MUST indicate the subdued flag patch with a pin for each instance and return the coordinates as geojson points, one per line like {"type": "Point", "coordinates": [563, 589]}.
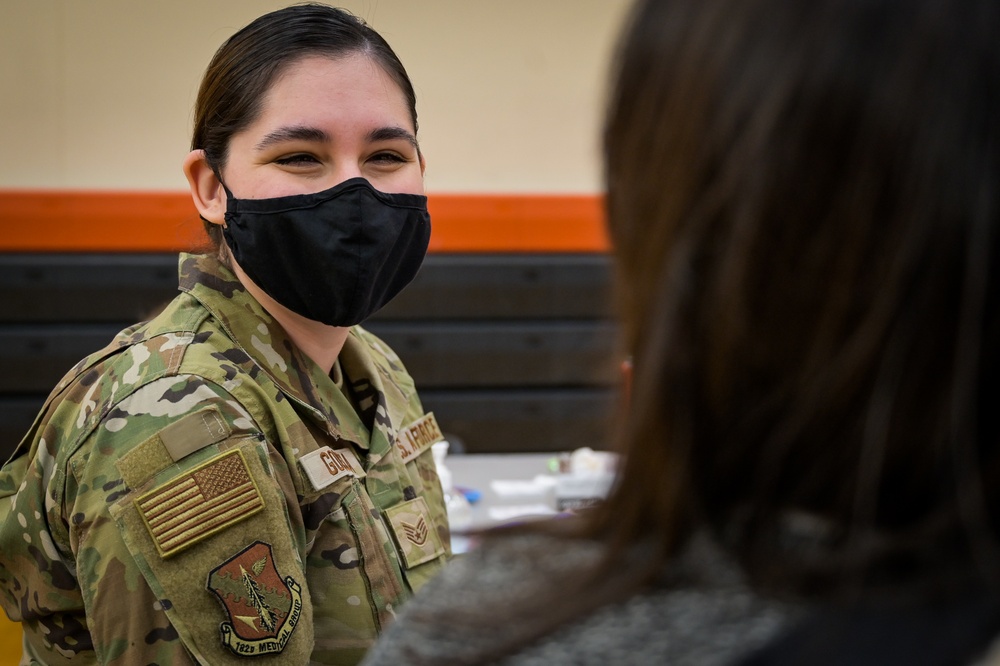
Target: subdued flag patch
{"type": "Point", "coordinates": [200, 503]}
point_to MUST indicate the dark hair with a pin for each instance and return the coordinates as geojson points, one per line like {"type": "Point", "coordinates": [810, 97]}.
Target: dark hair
{"type": "Point", "coordinates": [247, 64]}
{"type": "Point", "coordinates": [803, 200]}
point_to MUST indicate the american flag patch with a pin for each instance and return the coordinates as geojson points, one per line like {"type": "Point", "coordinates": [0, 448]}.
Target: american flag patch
{"type": "Point", "coordinates": [200, 503]}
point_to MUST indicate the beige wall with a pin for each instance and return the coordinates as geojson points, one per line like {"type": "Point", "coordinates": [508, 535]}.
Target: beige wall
{"type": "Point", "coordinates": [97, 94]}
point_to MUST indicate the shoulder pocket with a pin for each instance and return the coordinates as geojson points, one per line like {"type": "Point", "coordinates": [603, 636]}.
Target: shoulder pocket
{"type": "Point", "coordinates": [199, 532]}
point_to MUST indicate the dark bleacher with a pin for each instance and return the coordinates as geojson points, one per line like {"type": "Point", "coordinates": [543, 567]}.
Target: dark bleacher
{"type": "Point", "coordinates": [513, 353]}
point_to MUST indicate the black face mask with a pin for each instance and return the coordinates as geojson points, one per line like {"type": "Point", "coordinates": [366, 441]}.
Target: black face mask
{"type": "Point", "coordinates": [335, 256]}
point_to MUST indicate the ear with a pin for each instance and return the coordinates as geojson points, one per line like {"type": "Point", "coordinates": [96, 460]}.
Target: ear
{"type": "Point", "coordinates": [423, 163]}
{"type": "Point", "coordinates": [206, 190]}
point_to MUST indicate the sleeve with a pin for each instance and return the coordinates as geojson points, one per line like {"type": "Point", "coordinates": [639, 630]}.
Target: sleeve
{"type": "Point", "coordinates": [182, 536]}
{"type": "Point", "coordinates": [37, 576]}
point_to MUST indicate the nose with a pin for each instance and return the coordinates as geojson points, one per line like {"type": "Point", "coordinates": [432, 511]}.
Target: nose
{"type": "Point", "coordinates": [345, 171]}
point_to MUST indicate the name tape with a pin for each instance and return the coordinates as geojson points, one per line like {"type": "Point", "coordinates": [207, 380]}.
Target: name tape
{"type": "Point", "coordinates": [324, 466]}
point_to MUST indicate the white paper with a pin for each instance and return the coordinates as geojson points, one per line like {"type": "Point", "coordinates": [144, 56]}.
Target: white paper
{"type": "Point", "coordinates": [520, 511]}
{"type": "Point", "coordinates": [537, 486]}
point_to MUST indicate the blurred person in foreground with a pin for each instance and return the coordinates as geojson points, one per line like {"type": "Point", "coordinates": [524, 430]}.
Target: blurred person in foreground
{"type": "Point", "coordinates": [803, 199]}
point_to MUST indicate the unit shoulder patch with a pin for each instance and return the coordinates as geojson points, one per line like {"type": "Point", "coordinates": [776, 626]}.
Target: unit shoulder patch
{"type": "Point", "coordinates": [262, 607]}
{"type": "Point", "coordinates": [199, 503]}
{"type": "Point", "coordinates": [417, 437]}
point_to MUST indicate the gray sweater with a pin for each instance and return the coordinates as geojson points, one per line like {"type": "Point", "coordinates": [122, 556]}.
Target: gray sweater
{"type": "Point", "coordinates": [704, 617]}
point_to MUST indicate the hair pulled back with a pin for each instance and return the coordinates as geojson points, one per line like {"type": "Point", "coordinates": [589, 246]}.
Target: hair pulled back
{"type": "Point", "coordinates": [245, 67]}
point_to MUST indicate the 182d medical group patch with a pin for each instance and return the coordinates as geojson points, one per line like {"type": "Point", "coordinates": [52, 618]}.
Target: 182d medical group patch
{"type": "Point", "coordinates": [263, 607]}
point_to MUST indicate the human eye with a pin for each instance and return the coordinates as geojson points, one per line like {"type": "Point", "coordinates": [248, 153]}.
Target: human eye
{"type": "Point", "coordinates": [387, 158]}
{"type": "Point", "coordinates": [297, 159]}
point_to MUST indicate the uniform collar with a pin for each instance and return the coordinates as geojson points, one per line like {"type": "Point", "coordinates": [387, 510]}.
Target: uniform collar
{"type": "Point", "coordinates": [257, 334]}
{"type": "Point", "coordinates": [374, 375]}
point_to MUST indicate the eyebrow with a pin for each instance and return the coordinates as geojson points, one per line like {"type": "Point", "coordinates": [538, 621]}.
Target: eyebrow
{"type": "Point", "coordinates": [293, 133]}
{"type": "Point", "coordinates": [303, 133]}
{"type": "Point", "coordinates": [392, 133]}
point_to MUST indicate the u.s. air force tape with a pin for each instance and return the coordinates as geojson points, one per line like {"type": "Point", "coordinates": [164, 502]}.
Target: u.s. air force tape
{"type": "Point", "coordinates": [324, 466]}
{"type": "Point", "coordinates": [414, 439]}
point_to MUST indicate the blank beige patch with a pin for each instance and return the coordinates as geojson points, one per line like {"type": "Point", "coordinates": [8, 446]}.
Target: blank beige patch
{"type": "Point", "coordinates": [194, 432]}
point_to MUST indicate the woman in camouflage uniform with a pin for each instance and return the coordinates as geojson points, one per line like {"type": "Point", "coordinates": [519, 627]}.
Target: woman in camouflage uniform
{"type": "Point", "coordinates": [248, 473]}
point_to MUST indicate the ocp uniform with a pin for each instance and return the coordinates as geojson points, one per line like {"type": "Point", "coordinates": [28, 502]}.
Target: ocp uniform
{"type": "Point", "coordinates": [164, 501]}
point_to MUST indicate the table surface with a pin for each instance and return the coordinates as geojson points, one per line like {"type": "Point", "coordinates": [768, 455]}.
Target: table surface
{"type": "Point", "coordinates": [477, 470]}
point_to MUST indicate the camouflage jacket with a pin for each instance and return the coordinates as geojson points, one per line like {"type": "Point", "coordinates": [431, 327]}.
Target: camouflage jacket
{"type": "Point", "coordinates": [199, 490]}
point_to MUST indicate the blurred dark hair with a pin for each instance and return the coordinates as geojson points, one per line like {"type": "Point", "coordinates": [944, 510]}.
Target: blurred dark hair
{"type": "Point", "coordinates": [803, 201]}
{"type": "Point", "coordinates": [247, 64]}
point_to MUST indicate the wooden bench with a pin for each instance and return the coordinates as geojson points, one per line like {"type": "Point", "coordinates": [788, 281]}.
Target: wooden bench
{"type": "Point", "coordinates": [513, 353]}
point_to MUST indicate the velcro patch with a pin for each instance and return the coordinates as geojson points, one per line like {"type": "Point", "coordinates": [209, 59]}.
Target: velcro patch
{"type": "Point", "coordinates": [414, 439]}
{"type": "Point", "coordinates": [263, 607]}
{"type": "Point", "coordinates": [144, 462]}
{"type": "Point", "coordinates": [324, 466]}
{"type": "Point", "coordinates": [194, 432]}
{"type": "Point", "coordinates": [416, 537]}
{"type": "Point", "coordinates": [200, 503]}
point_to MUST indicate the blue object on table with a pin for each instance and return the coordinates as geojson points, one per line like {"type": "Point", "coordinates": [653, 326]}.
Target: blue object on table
{"type": "Point", "coordinates": [471, 494]}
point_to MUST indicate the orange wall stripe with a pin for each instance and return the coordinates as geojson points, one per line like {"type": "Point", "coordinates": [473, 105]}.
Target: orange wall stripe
{"type": "Point", "coordinates": [90, 221]}
{"type": "Point", "coordinates": [68, 221]}
{"type": "Point", "coordinates": [517, 223]}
